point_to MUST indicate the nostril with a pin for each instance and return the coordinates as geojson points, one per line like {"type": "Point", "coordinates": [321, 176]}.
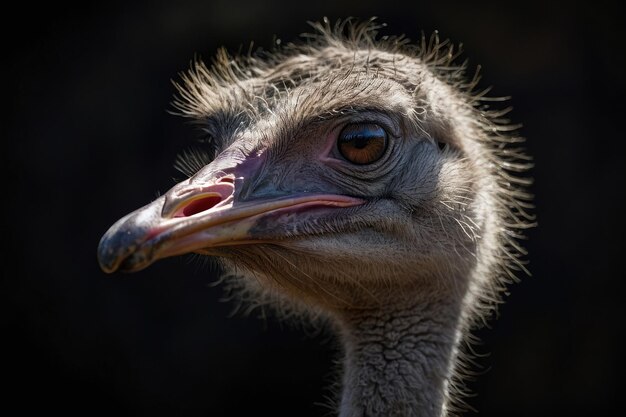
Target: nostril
{"type": "Point", "coordinates": [190, 200]}
{"type": "Point", "coordinates": [228, 180]}
{"type": "Point", "coordinates": [199, 205]}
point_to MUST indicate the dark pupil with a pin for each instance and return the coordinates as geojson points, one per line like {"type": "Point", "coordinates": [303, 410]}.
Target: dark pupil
{"type": "Point", "coordinates": [360, 142]}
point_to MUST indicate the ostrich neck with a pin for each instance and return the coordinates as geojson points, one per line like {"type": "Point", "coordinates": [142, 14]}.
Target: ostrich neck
{"type": "Point", "coordinates": [398, 359]}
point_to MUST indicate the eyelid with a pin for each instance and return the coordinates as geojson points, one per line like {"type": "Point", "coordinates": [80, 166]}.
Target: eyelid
{"type": "Point", "coordinates": [373, 116]}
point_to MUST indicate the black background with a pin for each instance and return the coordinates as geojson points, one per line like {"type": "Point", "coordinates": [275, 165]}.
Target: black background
{"type": "Point", "coordinates": [86, 138]}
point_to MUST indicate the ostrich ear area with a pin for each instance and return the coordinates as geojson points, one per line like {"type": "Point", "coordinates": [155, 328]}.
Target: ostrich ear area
{"type": "Point", "coordinates": [204, 217]}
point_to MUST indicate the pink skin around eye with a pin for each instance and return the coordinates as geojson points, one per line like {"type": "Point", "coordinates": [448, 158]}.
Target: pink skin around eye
{"type": "Point", "coordinates": [326, 150]}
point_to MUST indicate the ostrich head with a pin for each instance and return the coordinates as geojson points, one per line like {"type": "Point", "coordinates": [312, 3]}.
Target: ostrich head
{"type": "Point", "coordinates": [358, 178]}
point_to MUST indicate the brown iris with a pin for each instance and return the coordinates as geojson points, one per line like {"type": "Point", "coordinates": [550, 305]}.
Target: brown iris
{"type": "Point", "coordinates": [362, 143]}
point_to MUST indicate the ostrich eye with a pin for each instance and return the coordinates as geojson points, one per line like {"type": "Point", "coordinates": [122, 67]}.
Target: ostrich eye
{"type": "Point", "coordinates": [362, 143]}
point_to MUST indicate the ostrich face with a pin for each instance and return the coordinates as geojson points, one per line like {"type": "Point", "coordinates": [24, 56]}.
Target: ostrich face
{"type": "Point", "coordinates": [336, 172]}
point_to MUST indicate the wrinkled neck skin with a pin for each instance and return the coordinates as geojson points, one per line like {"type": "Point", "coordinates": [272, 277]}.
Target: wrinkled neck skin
{"type": "Point", "coordinates": [399, 358]}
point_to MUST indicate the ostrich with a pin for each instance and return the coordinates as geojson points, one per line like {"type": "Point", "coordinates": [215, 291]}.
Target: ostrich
{"type": "Point", "coordinates": [357, 178]}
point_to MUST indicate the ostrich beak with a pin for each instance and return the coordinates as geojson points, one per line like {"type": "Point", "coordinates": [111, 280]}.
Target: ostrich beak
{"type": "Point", "coordinates": [192, 218]}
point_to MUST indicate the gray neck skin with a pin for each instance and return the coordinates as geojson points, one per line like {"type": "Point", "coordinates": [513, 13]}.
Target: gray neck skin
{"type": "Point", "coordinates": [398, 360]}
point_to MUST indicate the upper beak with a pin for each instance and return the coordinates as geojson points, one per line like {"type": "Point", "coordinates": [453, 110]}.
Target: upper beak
{"type": "Point", "coordinates": [190, 218]}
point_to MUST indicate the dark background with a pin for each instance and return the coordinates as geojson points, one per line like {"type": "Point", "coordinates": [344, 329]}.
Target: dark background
{"type": "Point", "coordinates": [86, 138]}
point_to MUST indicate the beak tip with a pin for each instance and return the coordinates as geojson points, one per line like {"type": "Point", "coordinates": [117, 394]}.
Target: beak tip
{"type": "Point", "coordinates": [107, 270]}
{"type": "Point", "coordinates": [107, 258]}
{"type": "Point", "coordinates": [115, 254]}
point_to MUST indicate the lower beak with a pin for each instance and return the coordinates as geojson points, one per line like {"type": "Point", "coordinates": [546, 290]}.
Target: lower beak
{"type": "Point", "coordinates": [197, 223]}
